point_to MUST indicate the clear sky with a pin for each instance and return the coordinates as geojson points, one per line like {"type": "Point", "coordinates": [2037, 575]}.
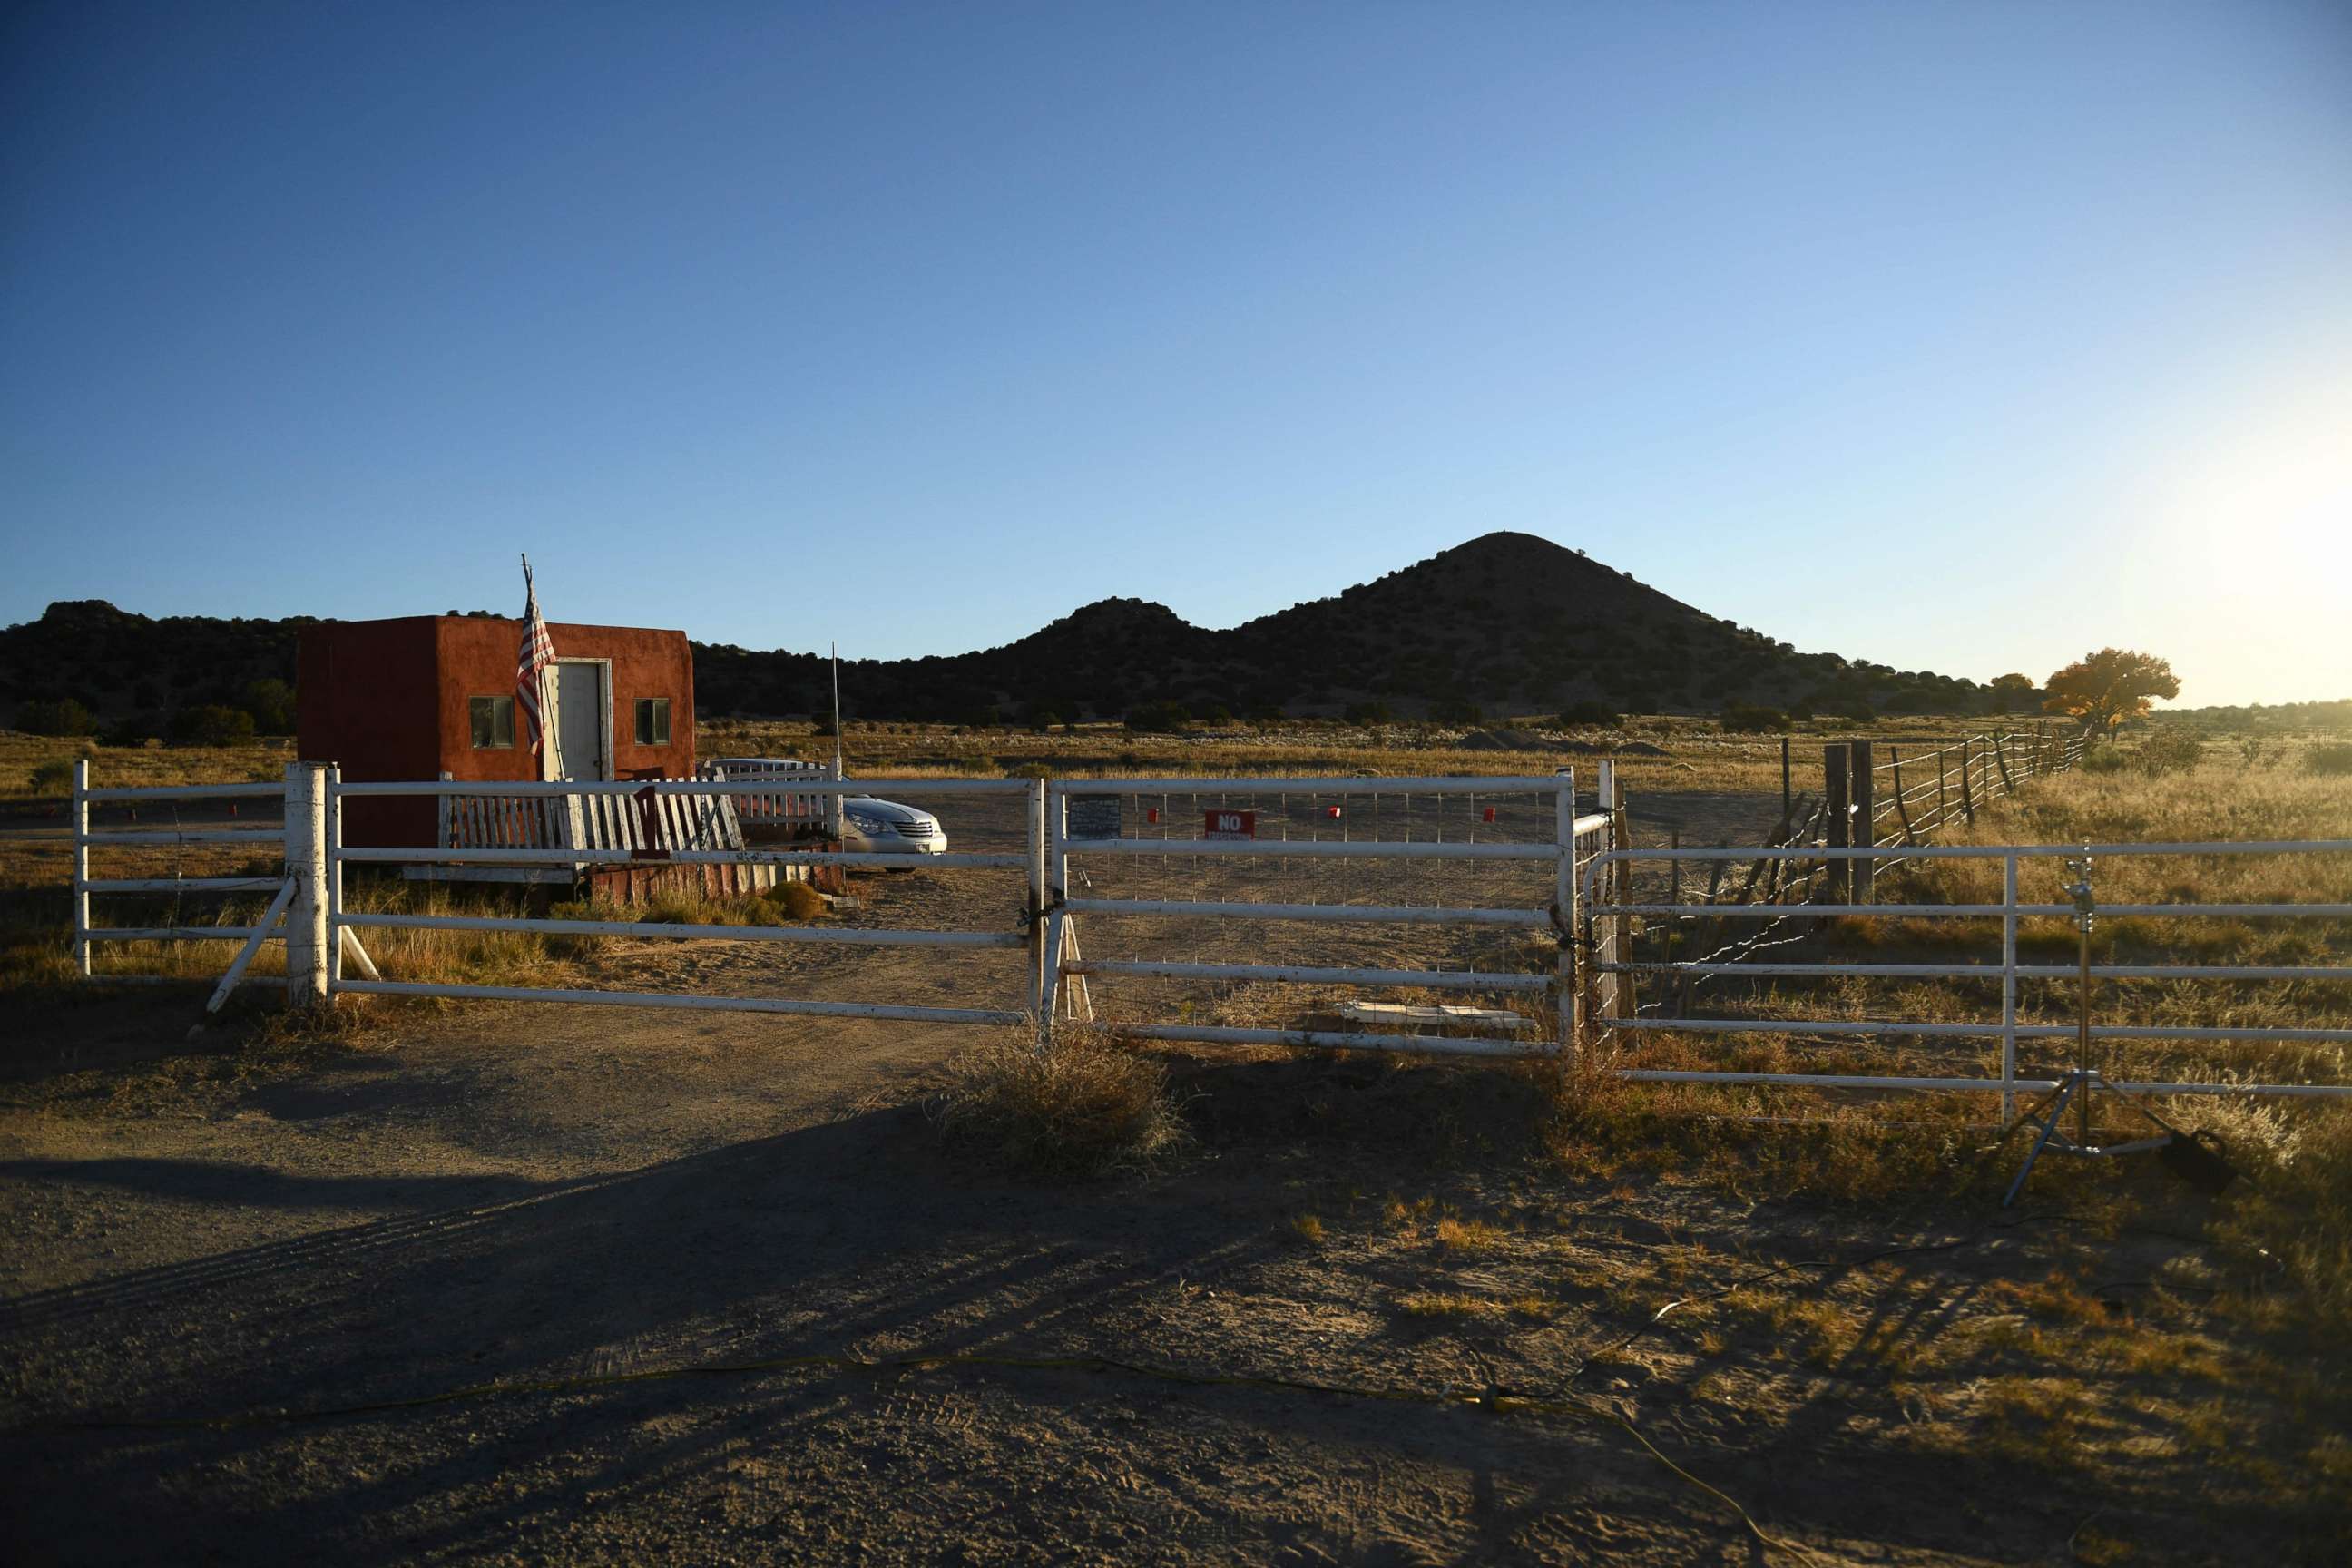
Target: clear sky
{"type": "Point", "coordinates": [1965, 338]}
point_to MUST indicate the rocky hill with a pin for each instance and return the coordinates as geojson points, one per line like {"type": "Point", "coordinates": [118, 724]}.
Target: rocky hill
{"type": "Point", "coordinates": [1505, 623]}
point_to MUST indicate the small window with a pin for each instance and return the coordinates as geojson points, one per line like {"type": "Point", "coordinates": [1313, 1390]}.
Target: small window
{"type": "Point", "coordinates": [493, 722]}
{"type": "Point", "coordinates": [652, 721]}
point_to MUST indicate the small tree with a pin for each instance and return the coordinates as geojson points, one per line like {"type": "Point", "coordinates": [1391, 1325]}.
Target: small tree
{"type": "Point", "coordinates": [213, 725]}
{"type": "Point", "coordinates": [2014, 693]}
{"type": "Point", "coordinates": [63, 717]}
{"type": "Point", "coordinates": [2109, 688]}
{"type": "Point", "coordinates": [271, 703]}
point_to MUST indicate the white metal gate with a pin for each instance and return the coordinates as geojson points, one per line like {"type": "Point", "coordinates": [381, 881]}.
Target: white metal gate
{"type": "Point", "coordinates": [2007, 1028]}
{"type": "Point", "coordinates": [1572, 843]}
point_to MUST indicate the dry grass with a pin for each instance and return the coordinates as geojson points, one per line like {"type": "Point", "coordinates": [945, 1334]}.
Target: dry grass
{"type": "Point", "coordinates": [1085, 1107]}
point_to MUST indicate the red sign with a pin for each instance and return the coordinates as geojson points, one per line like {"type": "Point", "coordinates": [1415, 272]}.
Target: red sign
{"type": "Point", "coordinates": [1222, 824]}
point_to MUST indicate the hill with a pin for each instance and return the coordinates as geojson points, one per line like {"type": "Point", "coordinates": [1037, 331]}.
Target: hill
{"type": "Point", "coordinates": [1506, 623]}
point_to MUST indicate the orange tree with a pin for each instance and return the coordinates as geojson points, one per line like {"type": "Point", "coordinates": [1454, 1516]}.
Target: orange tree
{"type": "Point", "coordinates": [2108, 686]}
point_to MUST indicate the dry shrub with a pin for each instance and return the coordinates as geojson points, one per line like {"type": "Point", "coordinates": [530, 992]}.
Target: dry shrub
{"type": "Point", "coordinates": [798, 901]}
{"type": "Point", "coordinates": [1086, 1106]}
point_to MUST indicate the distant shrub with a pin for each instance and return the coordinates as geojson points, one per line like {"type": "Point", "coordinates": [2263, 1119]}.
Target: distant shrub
{"type": "Point", "coordinates": [62, 716]}
{"type": "Point", "coordinates": [1367, 713]}
{"type": "Point", "coordinates": [1582, 715]}
{"type": "Point", "coordinates": [1750, 719]}
{"type": "Point", "coordinates": [2333, 760]}
{"type": "Point", "coordinates": [2104, 757]}
{"type": "Point", "coordinates": [54, 776]}
{"type": "Point", "coordinates": [213, 725]}
{"type": "Point", "coordinates": [1157, 718]}
{"type": "Point", "coordinates": [136, 730]}
{"type": "Point", "coordinates": [2170, 751]}
{"type": "Point", "coordinates": [1041, 720]}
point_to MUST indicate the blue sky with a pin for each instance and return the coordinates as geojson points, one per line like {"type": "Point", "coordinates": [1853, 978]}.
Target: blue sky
{"type": "Point", "coordinates": [1964, 337]}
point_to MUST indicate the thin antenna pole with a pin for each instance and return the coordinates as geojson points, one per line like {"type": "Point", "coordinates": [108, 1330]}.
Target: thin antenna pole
{"type": "Point", "coordinates": [840, 805]}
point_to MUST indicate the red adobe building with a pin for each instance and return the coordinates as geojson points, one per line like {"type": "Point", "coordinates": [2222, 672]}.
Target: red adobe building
{"type": "Point", "coordinates": [421, 696]}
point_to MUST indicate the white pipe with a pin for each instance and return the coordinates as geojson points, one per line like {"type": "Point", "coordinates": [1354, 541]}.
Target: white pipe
{"type": "Point", "coordinates": [1390, 914]}
{"type": "Point", "coordinates": [1430, 1044]}
{"type": "Point", "coordinates": [1333, 850]}
{"type": "Point", "coordinates": [1986, 970]}
{"type": "Point", "coordinates": [670, 857]}
{"type": "Point", "coordinates": [2024, 1031]}
{"type": "Point", "coordinates": [1434, 979]}
{"type": "Point", "coordinates": [1775, 911]}
{"type": "Point", "coordinates": [183, 884]}
{"type": "Point", "coordinates": [1972, 1085]}
{"type": "Point", "coordinates": [1831, 1080]}
{"type": "Point", "coordinates": [192, 792]}
{"type": "Point", "coordinates": [851, 937]}
{"type": "Point", "coordinates": [183, 836]}
{"type": "Point", "coordinates": [778, 784]}
{"type": "Point", "coordinates": [689, 1003]}
{"type": "Point", "coordinates": [1541, 783]}
{"type": "Point", "coordinates": [1994, 851]}
{"type": "Point", "coordinates": [172, 934]}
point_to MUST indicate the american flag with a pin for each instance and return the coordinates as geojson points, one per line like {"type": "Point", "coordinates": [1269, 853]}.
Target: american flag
{"type": "Point", "coordinates": [532, 661]}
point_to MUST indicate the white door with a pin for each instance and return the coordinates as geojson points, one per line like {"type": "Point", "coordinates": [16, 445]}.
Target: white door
{"type": "Point", "coordinates": [581, 726]}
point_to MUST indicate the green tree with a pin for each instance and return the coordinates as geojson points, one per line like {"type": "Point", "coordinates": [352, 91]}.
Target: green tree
{"type": "Point", "coordinates": [213, 725]}
{"type": "Point", "coordinates": [62, 716]}
{"type": "Point", "coordinates": [2014, 693]}
{"type": "Point", "coordinates": [271, 703]}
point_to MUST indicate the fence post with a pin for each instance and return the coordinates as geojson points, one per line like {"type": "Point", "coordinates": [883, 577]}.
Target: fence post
{"type": "Point", "coordinates": [2001, 760]}
{"type": "Point", "coordinates": [1864, 785]}
{"type": "Point", "coordinates": [1621, 836]}
{"type": "Point", "coordinates": [1606, 949]}
{"type": "Point", "coordinates": [1568, 1010]}
{"type": "Point", "coordinates": [1036, 910]}
{"type": "Point", "coordinates": [1967, 796]}
{"type": "Point", "coordinates": [306, 866]}
{"type": "Point", "coordinates": [1902, 810]}
{"type": "Point", "coordinates": [335, 842]}
{"type": "Point", "coordinates": [1057, 883]}
{"type": "Point", "coordinates": [2009, 989]}
{"type": "Point", "coordinates": [1784, 780]}
{"type": "Point", "coordinates": [1837, 823]}
{"type": "Point", "coordinates": [1942, 809]}
{"type": "Point", "coordinates": [81, 866]}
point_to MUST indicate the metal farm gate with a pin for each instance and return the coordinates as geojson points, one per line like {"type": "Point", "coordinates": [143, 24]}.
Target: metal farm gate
{"type": "Point", "coordinates": [1231, 832]}
{"type": "Point", "coordinates": [1599, 886]}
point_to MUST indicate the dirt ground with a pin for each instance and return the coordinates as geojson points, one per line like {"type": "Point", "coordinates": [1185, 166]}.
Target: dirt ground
{"type": "Point", "coordinates": [546, 1284]}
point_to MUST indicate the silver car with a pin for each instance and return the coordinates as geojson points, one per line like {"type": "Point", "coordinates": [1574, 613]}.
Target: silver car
{"type": "Point", "coordinates": [867, 824]}
{"type": "Point", "coordinates": [884, 826]}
